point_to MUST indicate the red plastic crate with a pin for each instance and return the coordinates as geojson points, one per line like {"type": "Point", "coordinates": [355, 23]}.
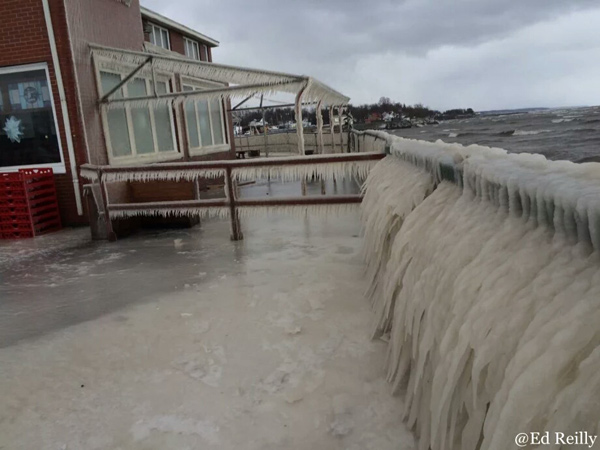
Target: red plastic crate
{"type": "Point", "coordinates": [19, 234]}
{"type": "Point", "coordinates": [28, 203]}
{"type": "Point", "coordinates": [9, 211]}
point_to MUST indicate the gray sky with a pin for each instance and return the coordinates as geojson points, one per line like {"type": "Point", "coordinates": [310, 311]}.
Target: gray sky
{"type": "Point", "coordinates": [484, 54]}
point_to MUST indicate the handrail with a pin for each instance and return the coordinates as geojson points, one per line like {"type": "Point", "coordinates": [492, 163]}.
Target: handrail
{"type": "Point", "coordinates": [335, 166]}
{"type": "Point", "coordinates": [561, 195]}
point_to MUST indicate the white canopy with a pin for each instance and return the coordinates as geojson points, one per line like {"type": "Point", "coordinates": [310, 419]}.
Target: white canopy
{"type": "Point", "coordinates": [243, 82]}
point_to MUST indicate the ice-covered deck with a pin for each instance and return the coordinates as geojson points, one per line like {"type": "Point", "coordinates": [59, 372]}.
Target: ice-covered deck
{"type": "Point", "coordinates": [184, 339]}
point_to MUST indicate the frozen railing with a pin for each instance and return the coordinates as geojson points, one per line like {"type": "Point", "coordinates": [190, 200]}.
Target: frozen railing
{"type": "Point", "coordinates": [485, 280]}
{"type": "Point", "coordinates": [287, 142]}
{"type": "Point", "coordinates": [559, 194]}
{"type": "Point", "coordinates": [299, 168]}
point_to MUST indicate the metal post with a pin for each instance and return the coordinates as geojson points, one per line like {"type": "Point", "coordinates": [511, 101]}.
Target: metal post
{"type": "Point", "coordinates": [299, 127]}
{"type": "Point", "coordinates": [340, 112]}
{"type": "Point", "coordinates": [110, 234]}
{"type": "Point", "coordinates": [319, 128]}
{"type": "Point", "coordinates": [332, 129]}
{"type": "Point", "coordinates": [236, 229]}
{"type": "Point", "coordinates": [265, 133]}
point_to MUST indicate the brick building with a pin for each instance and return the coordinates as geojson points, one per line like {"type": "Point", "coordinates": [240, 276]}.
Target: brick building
{"type": "Point", "coordinates": [107, 82]}
{"type": "Point", "coordinates": [48, 90]}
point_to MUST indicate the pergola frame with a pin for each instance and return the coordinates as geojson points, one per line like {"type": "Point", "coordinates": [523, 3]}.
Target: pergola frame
{"type": "Point", "coordinates": [246, 83]}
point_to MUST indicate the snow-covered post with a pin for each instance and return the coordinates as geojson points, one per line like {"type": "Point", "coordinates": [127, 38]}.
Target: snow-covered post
{"type": "Point", "coordinates": [319, 128]}
{"type": "Point", "coordinates": [299, 127]}
{"type": "Point", "coordinates": [331, 127]}
{"type": "Point", "coordinates": [265, 133]}
{"type": "Point", "coordinates": [110, 234]}
{"type": "Point", "coordinates": [236, 229]}
{"type": "Point", "coordinates": [340, 112]}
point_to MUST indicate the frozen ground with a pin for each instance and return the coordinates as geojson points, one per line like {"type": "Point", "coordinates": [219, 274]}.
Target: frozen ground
{"type": "Point", "coordinates": [185, 340]}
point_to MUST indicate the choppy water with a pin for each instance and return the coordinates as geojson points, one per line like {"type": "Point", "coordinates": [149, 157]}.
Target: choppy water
{"type": "Point", "coordinates": [572, 134]}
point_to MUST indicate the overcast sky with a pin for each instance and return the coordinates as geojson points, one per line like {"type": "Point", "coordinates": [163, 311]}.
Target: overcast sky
{"type": "Point", "coordinates": [484, 54]}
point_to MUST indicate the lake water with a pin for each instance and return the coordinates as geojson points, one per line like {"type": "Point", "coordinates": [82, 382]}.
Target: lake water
{"type": "Point", "coordinates": [568, 133]}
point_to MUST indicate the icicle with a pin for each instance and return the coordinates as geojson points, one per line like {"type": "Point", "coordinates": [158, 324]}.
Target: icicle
{"type": "Point", "coordinates": [203, 212]}
{"type": "Point", "coordinates": [298, 210]}
{"type": "Point", "coordinates": [156, 175]}
{"type": "Point", "coordinates": [492, 311]}
{"type": "Point", "coordinates": [327, 170]}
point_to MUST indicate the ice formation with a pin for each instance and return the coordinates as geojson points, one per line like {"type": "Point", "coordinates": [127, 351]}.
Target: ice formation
{"type": "Point", "coordinates": [488, 289]}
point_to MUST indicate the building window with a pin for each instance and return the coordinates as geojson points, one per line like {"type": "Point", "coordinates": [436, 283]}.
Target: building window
{"type": "Point", "coordinates": [28, 131]}
{"type": "Point", "coordinates": [160, 36]}
{"type": "Point", "coordinates": [140, 133]}
{"type": "Point", "coordinates": [204, 53]}
{"type": "Point", "coordinates": [191, 49]}
{"type": "Point", "coordinates": [204, 123]}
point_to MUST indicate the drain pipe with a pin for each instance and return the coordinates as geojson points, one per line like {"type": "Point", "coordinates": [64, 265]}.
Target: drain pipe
{"type": "Point", "coordinates": [63, 107]}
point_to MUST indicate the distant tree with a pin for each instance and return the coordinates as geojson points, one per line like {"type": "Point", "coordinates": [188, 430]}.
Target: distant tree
{"type": "Point", "coordinates": [385, 101]}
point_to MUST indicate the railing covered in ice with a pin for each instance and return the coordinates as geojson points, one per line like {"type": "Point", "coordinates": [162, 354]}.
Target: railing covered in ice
{"type": "Point", "coordinates": [485, 280]}
{"type": "Point", "coordinates": [299, 168]}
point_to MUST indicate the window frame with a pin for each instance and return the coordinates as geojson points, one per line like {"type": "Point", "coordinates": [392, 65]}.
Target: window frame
{"type": "Point", "coordinates": [159, 29]}
{"type": "Point", "coordinates": [135, 157]}
{"type": "Point", "coordinates": [57, 167]}
{"type": "Point", "coordinates": [199, 84]}
{"type": "Point", "coordinates": [205, 50]}
{"type": "Point", "coordinates": [195, 45]}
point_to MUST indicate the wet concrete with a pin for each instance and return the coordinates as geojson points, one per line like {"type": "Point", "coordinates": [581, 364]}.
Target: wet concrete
{"type": "Point", "coordinates": [183, 339]}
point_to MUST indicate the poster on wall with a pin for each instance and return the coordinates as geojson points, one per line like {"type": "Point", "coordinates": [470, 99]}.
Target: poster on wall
{"type": "Point", "coordinates": [28, 134]}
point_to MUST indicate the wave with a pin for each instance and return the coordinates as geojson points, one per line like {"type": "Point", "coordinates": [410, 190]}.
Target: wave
{"type": "Point", "coordinates": [529, 132]}
{"type": "Point", "coordinates": [584, 130]}
{"type": "Point", "coordinates": [453, 135]}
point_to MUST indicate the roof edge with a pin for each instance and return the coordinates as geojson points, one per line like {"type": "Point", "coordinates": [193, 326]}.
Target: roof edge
{"type": "Point", "coordinates": [162, 20]}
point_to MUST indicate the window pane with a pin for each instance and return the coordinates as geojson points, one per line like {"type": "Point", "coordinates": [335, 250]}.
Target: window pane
{"type": "Point", "coordinates": [27, 128]}
{"type": "Point", "coordinates": [142, 127]}
{"type": "Point", "coordinates": [136, 88]}
{"type": "Point", "coordinates": [109, 81]}
{"type": "Point", "coordinates": [165, 38]}
{"type": "Point", "coordinates": [117, 120]}
{"type": "Point", "coordinates": [162, 120]}
{"type": "Point", "coordinates": [118, 132]}
{"type": "Point", "coordinates": [190, 120]}
{"type": "Point", "coordinates": [205, 134]}
{"type": "Point", "coordinates": [217, 120]}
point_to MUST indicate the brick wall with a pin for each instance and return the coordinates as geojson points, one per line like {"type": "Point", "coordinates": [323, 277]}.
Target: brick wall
{"type": "Point", "coordinates": [177, 44]}
{"type": "Point", "coordinates": [24, 40]}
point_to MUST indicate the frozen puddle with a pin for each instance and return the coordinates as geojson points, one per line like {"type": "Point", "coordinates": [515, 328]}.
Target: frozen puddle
{"type": "Point", "coordinates": [185, 340]}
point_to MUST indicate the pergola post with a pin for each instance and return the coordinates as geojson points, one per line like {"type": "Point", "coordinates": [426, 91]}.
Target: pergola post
{"type": "Point", "coordinates": [299, 127]}
{"type": "Point", "coordinates": [332, 129]}
{"type": "Point", "coordinates": [340, 112]}
{"type": "Point", "coordinates": [319, 128]}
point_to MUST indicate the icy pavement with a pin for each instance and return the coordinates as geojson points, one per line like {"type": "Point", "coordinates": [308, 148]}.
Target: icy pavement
{"type": "Point", "coordinates": [185, 340]}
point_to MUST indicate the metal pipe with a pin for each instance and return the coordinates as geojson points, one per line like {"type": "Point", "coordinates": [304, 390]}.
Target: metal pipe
{"type": "Point", "coordinates": [282, 161]}
{"type": "Point", "coordinates": [63, 106]}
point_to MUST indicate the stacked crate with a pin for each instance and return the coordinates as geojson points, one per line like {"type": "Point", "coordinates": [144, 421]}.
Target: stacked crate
{"type": "Point", "coordinates": [28, 204]}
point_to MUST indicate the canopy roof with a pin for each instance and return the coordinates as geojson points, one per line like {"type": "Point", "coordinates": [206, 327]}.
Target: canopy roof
{"type": "Point", "coordinates": [244, 82]}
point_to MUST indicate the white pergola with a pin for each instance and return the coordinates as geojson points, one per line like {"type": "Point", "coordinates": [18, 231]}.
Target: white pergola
{"type": "Point", "coordinates": [237, 82]}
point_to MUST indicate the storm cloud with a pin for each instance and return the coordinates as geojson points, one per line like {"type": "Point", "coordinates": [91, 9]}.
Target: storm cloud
{"type": "Point", "coordinates": [483, 54]}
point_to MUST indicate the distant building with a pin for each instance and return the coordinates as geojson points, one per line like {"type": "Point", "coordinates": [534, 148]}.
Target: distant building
{"type": "Point", "coordinates": [373, 117]}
